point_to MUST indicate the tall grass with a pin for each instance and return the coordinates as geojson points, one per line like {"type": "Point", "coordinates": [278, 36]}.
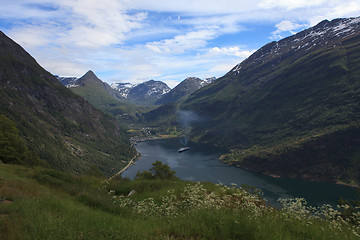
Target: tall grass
{"type": "Point", "coordinates": [62, 206]}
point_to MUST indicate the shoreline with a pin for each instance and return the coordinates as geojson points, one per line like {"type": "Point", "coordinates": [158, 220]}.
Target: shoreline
{"type": "Point", "coordinates": [126, 167]}
{"type": "Point", "coordinates": [234, 164]}
{"type": "Point", "coordinates": [135, 140]}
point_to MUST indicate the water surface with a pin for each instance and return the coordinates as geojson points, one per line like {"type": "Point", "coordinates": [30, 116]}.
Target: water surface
{"type": "Point", "coordinates": [201, 163]}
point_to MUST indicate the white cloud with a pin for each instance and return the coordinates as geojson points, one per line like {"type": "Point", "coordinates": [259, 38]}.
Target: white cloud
{"type": "Point", "coordinates": [82, 23]}
{"type": "Point", "coordinates": [223, 67]}
{"type": "Point", "coordinates": [181, 43]}
{"type": "Point", "coordinates": [169, 40]}
{"type": "Point", "coordinates": [286, 26]}
{"type": "Point", "coordinates": [197, 7]}
{"type": "Point", "coordinates": [232, 51]}
{"type": "Point", "coordinates": [290, 4]}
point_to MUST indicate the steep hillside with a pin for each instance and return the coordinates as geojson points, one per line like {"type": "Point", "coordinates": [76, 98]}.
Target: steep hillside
{"type": "Point", "coordinates": [182, 90]}
{"type": "Point", "coordinates": [291, 108]}
{"type": "Point", "coordinates": [63, 128]}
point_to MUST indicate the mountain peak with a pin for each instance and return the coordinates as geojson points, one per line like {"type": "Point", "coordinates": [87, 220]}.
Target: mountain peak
{"type": "Point", "coordinates": [91, 74]}
{"type": "Point", "coordinates": [89, 78]}
{"type": "Point", "coordinates": [182, 90]}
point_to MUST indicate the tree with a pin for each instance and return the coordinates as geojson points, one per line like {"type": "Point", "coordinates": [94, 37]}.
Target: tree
{"type": "Point", "coordinates": [13, 149]}
{"type": "Point", "coordinates": [158, 171]}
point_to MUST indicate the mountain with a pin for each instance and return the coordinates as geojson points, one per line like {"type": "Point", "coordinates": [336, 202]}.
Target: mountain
{"type": "Point", "coordinates": [145, 93]}
{"type": "Point", "coordinates": [102, 96]}
{"type": "Point", "coordinates": [67, 81]}
{"type": "Point", "coordinates": [292, 108]}
{"type": "Point", "coordinates": [90, 83]}
{"type": "Point", "coordinates": [183, 89]}
{"type": "Point", "coordinates": [123, 88]}
{"type": "Point", "coordinates": [63, 128]}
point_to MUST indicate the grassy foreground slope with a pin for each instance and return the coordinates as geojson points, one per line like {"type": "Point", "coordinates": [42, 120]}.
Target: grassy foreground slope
{"type": "Point", "coordinates": [48, 204]}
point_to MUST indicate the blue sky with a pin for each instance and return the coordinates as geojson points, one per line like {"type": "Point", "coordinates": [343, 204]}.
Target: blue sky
{"type": "Point", "coordinates": [138, 40]}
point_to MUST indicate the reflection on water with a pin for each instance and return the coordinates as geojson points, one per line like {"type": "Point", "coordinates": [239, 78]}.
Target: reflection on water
{"type": "Point", "coordinates": [202, 163]}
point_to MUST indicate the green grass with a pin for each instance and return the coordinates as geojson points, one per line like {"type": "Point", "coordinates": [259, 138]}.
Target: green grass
{"type": "Point", "coordinates": [48, 204]}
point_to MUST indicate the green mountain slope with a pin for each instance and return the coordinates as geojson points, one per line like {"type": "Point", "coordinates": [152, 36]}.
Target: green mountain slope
{"type": "Point", "coordinates": [103, 97]}
{"type": "Point", "coordinates": [63, 128]}
{"type": "Point", "coordinates": [290, 109]}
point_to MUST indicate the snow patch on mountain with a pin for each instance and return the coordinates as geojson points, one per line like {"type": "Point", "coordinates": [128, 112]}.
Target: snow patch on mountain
{"type": "Point", "coordinates": [323, 34]}
{"type": "Point", "coordinates": [68, 82]}
{"type": "Point", "coordinates": [123, 88]}
{"type": "Point", "coordinates": [148, 91]}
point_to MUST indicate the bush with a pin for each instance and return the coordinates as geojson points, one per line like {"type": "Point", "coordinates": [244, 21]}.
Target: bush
{"type": "Point", "coordinates": [13, 149]}
{"type": "Point", "coordinates": [158, 171]}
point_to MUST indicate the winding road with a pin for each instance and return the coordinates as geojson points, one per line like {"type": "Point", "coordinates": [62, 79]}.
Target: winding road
{"type": "Point", "coordinates": [126, 167]}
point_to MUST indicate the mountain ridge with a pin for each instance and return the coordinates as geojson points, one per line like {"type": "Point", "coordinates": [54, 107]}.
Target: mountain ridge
{"type": "Point", "coordinates": [145, 93]}
{"type": "Point", "coordinates": [184, 89]}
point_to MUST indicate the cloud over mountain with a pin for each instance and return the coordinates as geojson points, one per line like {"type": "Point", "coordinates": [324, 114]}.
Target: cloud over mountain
{"type": "Point", "coordinates": [167, 40]}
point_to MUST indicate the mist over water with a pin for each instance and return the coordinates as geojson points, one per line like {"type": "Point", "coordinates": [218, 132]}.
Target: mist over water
{"type": "Point", "coordinates": [184, 141]}
{"type": "Point", "coordinates": [186, 119]}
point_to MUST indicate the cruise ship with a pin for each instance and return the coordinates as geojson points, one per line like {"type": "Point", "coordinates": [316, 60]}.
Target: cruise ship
{"type": "Point", "coordinates": [183, 149]}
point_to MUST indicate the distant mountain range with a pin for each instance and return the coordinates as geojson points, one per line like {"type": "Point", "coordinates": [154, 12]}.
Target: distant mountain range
{"type": "Point", "coordinates": [145, 93]}
{"type": "Point", "coordinates": [102, 96]}
{"type": "Point", "coordinates": [157, 92]}
{"type": "Point", "coordinates": [63, 128]}
{"type": "Point", "coordinates": [88, 80]}
{"type": "Point", "coordinates": [292, 108]}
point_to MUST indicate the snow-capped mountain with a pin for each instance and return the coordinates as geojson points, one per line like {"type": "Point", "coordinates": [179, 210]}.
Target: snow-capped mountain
{"type": "Point", "coordinates": [209, 80]}
{"type": "Point", "coordinates": [90, 84]}
{"type": "Point", "coordinates": [325, 33]}
{"type": "Point", "coordinates": [67, 81]}
{"type": "Point", "coordinates": [123, 88]}
{"type": "Point", "coordinates": [144, 93]}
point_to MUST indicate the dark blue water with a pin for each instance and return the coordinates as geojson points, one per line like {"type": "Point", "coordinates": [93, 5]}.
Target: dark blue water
{"type": "Point", "coordinates": [202, 163]}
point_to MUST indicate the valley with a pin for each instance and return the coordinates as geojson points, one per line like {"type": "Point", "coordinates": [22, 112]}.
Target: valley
{"type": "Point", "coordinates": [281, 126]}
{"type": "Point", "coordinates": [276, 112]}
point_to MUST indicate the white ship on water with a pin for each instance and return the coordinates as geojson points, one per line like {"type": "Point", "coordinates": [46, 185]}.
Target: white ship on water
{"type": "Point", "coordinates": [183, 149]}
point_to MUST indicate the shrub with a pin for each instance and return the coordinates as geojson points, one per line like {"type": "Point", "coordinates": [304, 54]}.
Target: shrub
{"type": "Point", "coordinates": [13, 149]}
{"type": "Point", "coordinates": [158, 171]}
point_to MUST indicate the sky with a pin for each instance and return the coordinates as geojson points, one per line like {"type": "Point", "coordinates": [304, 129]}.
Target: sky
{"type": "Point", "coordinates": [166, 40]}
